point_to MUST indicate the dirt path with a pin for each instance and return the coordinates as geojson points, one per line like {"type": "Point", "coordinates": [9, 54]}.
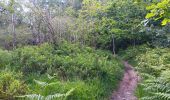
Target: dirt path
{"type": "Point", "coordinates": [127, 85]}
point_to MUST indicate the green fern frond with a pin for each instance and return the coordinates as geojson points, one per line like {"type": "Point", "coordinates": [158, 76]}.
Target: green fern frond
{"type": "Point", "coordinates": [69, 92]}
{"type": "Point", "coordinates": [149, 98]}
{"type": "Point", "coordinates": [157, 89]}
{"type": "Point", "coordinates": [158, 84]}
{"type": "Point", "coordinates": [148, 76]}
{"type": "Point", "coordinates": [52, 97]}
{"type": "Point", "coordinates": [52, 84]}
{"type": "Point", "coordinates": [50, 77]}
{"type": "Point", "coordinates": [163, 96]}
{"type": "Point", "coordinates": [49, 97]}
{"type": "Point", "coordinates": [42, 84]}
{"type": "Point", "coordinates": [32, 97]}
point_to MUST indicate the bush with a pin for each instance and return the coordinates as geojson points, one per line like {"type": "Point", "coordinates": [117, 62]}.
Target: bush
{"type": "Point", "coordinates": [68, 61]}
{"type": "Point", "coordinates": [154, 61]}
{"type": "Point", "coordinates": [11, 85]}
{"type": "Point", "coordinates": [31, 59]}
{"type": "Point", "coordinates": [93, 73]}
{"type": "Point", "coordinates": [5, 58]}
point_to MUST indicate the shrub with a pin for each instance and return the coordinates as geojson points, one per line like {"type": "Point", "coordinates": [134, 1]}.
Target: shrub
{"type": "Point", "coordinates": [5, 58]}
{"type": "Point", "coordinates": [11, 85]}
{"type": "Point", "coordinates": [95, 73]}
{"type": "Point", "coordinates": [67, 60]}
{"type": "Point", "coordinates": [32, 58]}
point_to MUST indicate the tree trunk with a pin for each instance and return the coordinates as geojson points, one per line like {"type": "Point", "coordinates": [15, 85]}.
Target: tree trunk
{"type": "Point", "coordinates": [38, 33]}
{"type": "Point", "coordinates": [113, 43]}
{"type": "Point", "coordinates": [13, 31]}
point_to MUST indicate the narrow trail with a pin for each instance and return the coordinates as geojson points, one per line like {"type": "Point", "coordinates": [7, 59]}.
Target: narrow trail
{"type": "Point", "coordinates": [127, 85]}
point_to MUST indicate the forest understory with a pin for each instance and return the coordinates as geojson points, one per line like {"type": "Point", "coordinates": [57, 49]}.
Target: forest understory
{"type": "Point", "coordinates": [73, 49]}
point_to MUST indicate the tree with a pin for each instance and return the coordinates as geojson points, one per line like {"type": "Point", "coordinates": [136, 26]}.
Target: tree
{"type": "Point", "coordinates": [123, 20]}
{"type": "Point", "coordinates": [8, 7]}
{"type": "Point", "coordinates": [160, 11]}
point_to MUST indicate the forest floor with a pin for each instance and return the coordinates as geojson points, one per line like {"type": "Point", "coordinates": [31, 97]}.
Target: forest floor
{"type": "Point", "coordinates": [126, 90]}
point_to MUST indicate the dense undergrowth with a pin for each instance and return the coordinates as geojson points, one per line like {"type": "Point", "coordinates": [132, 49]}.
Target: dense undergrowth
{"type": "Point", "coordinates": [153, 65]}
{"type": "Point", "coordinates": [75, 71]}
{"type": "Point", "coordinates": [68, 71]}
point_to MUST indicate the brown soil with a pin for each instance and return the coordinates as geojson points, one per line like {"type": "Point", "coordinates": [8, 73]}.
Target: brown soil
{"type": "Point", "coordinates": [127, 85]}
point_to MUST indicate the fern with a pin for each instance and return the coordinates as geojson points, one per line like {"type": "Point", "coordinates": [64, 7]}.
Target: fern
{"type": "Point", "coordinates": [163, 96]}
{"type": "Point", "coordinates": [42, 84]}
{"type": "Point", "coordinates": [32, 97]}
{"type": "Point", "coordinates": [52, 97]}
{"type": "Point", "coordinates": [149, 98]}
{"type": "Point", "coordinates": [157, 89]}
{"type": "Point", "coordinates": [50, 77]}
{"type": "Point", "coordinates": [49, 97]}
{"type": "Point", "coordinates": [147, 76]}
{"type": "Point", "coordinates": [45, 85]}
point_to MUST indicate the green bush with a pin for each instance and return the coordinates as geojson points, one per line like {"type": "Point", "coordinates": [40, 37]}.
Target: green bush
{"type": "Point", "coordinates": [32, 58]}
{"type": "Point", "coordinates": [5, 58]}
{"type": "Point", "coordinates": [154, 61]}
{"type": "Point", "coordinates": [68, 61]}
{"type": "Point", "coordinates": [93, 73]}
{"type": "Point", "coordinates": [11, 85]}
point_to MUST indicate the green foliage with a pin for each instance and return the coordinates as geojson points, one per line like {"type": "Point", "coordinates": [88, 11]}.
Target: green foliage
{"type": "Point", "coordinates": [5, 58]}
{"type": "Point", "coordinates": [67, 61]}
{"type": "Point", "coordinates": [155, 88]}
{"type": "Point", "coordinates": [132, 52]}
{"type": "Point", "coordinates": [156, 63]}
{"type": "Point", "coordinates": [32, 59]}
{"type": "Point", "coordinates": [83, 90]}
{"type": "Point", "coordinates": [92, 73]}
{"type": "Point", "coordinates": [160, 10]}
{"type": "Point", "coordinates": [9, 7]}
{"type": "Point", "coordinates": [153, 65]}
{"type": "Point", "coordinates": [44, 92]}
{"type": "Point", "coordinates": [11, 85]}
{"type": "Point", "coordinates": [121, 20]}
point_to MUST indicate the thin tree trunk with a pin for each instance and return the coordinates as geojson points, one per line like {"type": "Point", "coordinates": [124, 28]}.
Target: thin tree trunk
{"type": "Point", "coordinates": [13, 31]}
{"type": "Point", "coordinates": [134, 42]}
{"type": "Point", "coordinates": [38, 33]}
{"type": "Point", "coordinates": [33, 32]}
{"type": "Point", "coordinates": [113, 43]}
